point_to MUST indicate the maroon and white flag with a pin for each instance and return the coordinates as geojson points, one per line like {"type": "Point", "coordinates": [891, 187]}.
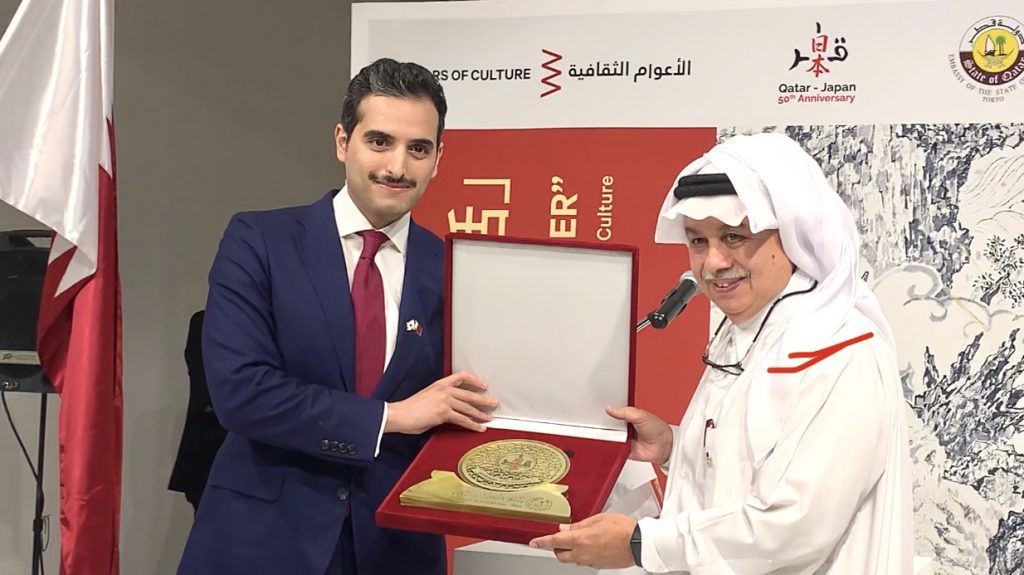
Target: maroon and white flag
{"type": "Point", "coordinates": [57, 165]}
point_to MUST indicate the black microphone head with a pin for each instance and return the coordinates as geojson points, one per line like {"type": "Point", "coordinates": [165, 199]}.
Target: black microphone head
{"type": "Point", "coordinates": [689, 281]}
{"type": "Point", "coordinates": [675, 301]}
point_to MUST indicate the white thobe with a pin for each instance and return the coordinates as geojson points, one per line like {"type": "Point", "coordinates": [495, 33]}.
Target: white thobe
{"type": "Point", "coordinates": [833, 496]}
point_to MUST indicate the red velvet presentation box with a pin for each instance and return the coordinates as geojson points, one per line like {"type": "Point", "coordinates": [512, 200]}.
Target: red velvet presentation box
{"type": "Point", "coordinates": [550, 326]}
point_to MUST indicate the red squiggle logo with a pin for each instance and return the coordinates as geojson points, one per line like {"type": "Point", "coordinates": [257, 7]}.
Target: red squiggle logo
{"type": "Point", "coordinates": [816, 356]}
{"type": "Point", "coordinates": [555, 72]}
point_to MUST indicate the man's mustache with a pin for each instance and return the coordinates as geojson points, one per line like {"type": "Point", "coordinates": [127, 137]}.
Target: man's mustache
{"type": "Point", "coordinates": [392, 181]}
{"type": "Point", "coordinates": [729, 274]}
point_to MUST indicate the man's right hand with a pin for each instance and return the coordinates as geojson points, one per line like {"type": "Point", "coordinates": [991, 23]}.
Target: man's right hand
{"type": "Point", "coordinates": [456, 399]}
{"type": "Point", "coordinates": [653, 441]}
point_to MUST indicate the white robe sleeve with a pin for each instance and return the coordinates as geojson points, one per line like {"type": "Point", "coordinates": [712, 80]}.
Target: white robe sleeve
{"type": "Point", "coordinates": [831, 453]}
{"type": "Point", "coordinates": [676, 438]}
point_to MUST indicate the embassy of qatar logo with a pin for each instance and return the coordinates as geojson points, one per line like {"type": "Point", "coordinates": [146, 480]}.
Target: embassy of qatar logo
{"type": "Point", "coordinates": [989, 59]}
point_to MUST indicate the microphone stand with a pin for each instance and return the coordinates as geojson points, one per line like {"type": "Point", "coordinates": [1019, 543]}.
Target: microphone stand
{"type": "Point", "coordinates": [656, 318]}
{"type": "Point", "coordinates": [642, 324]}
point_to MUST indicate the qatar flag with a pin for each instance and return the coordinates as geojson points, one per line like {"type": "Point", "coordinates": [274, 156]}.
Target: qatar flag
{"type": "Point", "coordinates": [57, 165]}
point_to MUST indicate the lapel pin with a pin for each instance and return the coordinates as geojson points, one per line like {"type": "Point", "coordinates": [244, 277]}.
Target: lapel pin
{"type": "Point", "coordinates": [413, 325]}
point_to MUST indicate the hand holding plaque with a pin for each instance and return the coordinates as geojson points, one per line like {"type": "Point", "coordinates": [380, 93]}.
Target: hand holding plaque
{"type": "Point", "coordinates": [552, 327]}
{"type": "Point", "coordinates": [510, 478]}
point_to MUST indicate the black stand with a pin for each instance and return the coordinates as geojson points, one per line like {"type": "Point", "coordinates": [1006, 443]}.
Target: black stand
{"type": "Point", "coordinates": [34, 383]}
{"type": "Point", "coordinates": [37, 521]}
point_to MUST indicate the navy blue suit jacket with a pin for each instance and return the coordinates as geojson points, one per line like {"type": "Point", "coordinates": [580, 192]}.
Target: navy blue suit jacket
{"type": "Point", "coordinates": [278, 345]}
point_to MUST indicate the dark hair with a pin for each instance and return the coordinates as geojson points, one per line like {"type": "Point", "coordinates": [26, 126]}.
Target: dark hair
{"type": "Point", "coordinates": [386, 77]}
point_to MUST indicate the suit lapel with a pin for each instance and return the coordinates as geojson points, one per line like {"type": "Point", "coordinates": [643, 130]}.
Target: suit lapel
{"type": "Point", "coordinates": [409, 343]}
{"type": "Point", "coordinates": [320, 250]}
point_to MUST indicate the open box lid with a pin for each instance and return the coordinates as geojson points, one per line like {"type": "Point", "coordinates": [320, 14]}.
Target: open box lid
{"type": "Point", "coordinates": [550, 326]}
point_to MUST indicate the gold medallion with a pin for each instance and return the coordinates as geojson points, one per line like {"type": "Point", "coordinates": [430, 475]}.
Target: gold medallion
{"type": "Point", "coordinates": [513, 464]}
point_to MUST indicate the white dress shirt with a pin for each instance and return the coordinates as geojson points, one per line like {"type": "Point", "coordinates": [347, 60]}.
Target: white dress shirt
{"type": "Point", "coordinates": [833, 497]}
{"type": "Point", "coordinates": [390, 260]}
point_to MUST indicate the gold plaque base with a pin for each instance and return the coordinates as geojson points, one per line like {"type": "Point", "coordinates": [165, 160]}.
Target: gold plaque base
{"type": "Point", "coordinates": [445, 490]}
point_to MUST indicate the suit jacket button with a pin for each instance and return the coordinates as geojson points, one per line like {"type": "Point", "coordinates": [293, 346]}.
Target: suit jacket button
{"type": "Point", "coordinates": [325, 445]}
{"type": "Point", "coordinates": [342, 494]}
{"type": "Point", "coordinates": [351, 449]}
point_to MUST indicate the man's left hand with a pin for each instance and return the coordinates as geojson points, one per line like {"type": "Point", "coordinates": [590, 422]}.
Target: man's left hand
{"type": "Point", "coordinates": [601, 541]}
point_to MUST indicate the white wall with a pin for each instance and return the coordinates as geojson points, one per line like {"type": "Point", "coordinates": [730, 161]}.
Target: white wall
{"type": "Point", "coordinates": [219, 107]}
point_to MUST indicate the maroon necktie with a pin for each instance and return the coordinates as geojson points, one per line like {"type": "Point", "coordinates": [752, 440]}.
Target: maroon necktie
{"type": "Point", "coordinates": [368, 306]}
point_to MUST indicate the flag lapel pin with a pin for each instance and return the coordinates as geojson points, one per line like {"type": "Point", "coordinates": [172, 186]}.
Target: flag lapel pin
{"type": "Point", "coordinates": [414, 326]}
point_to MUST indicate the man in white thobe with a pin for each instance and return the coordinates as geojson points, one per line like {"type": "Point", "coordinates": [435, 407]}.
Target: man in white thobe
{"type": "Point", "coordinates": [793, 455]}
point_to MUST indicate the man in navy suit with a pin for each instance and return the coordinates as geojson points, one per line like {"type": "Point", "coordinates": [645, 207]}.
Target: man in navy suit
{"type": "Point", "coordinates": [323, 350]}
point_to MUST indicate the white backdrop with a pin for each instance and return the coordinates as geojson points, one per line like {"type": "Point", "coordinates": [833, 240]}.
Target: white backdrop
{"type": "Point", "coordinates": [927, 151]}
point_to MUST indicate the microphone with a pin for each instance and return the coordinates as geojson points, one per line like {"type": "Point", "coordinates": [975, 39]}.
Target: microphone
{"type": "Point", "coordinates": [673, 303]}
